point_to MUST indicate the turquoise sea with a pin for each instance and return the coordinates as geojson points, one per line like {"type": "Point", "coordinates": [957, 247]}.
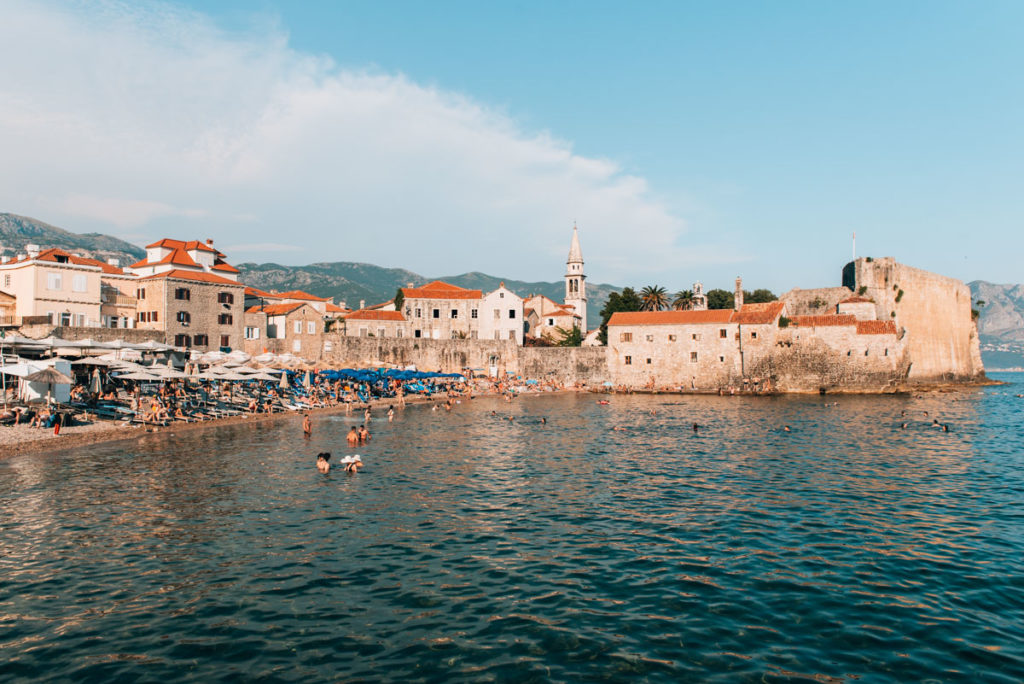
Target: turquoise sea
{"type": "Point", "coordinates": [477, 548]}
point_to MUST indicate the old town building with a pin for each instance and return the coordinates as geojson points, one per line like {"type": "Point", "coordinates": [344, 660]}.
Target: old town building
{"type": "Point", "coordinates": [195, 310]}
{"type": "Point", "coordinates": [375, 323]}
{"type": "Point", "coordinates": [501, 316]}
{"type": "Point", "coordinates": [442, 311]}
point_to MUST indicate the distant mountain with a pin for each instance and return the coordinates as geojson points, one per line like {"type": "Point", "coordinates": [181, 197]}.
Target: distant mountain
{"type": "Point", "coordinates": [1000, 323]}
{"type": "Point", "coordinates": [18, 231]}
{"type": "Point", "coordinates": [355, 282]}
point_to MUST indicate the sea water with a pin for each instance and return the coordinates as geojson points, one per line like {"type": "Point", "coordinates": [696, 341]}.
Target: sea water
{"type": "Point", "coordinates": [477, 548]}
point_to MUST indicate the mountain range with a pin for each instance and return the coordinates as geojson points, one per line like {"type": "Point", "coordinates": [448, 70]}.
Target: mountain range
{"type": "Point", "coordinates": [1000, 323]}
{"type": "Point", "coordinates": [18, 231]}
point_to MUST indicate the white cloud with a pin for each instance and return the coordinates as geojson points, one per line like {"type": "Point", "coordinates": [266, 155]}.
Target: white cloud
{"type": "Point", "coordinates": [153, 119]}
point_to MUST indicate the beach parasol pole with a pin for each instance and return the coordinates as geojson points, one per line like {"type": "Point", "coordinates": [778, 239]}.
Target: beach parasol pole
{"type": "Point", "coordinates": [3, 376]}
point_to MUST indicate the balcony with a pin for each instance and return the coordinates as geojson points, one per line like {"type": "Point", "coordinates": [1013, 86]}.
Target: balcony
{"type": "Point", "coordinates": [111, 299]}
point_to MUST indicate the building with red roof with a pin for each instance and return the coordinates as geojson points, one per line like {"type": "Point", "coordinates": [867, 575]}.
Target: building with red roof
{"type": "Point", "coordinates": [183, 255]}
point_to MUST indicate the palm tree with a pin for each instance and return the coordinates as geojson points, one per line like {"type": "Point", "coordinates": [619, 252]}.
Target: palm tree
{"type": "Point", "coordinates": [682, 300]}
{"type": "Point", "coordinates": [653, 298]}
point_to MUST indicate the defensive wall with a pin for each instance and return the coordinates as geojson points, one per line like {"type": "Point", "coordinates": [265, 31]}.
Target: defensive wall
{"type": "Point", "coordinates": [934, 312]}
{"type": "Point", "coordinates": [132, 335]}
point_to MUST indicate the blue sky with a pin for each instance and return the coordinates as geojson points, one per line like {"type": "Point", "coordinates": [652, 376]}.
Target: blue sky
{"type": "Point", "coordinates": [692, 141]}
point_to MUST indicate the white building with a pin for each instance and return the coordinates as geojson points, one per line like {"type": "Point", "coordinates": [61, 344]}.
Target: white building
{"type": "Point", "coordinates": [501, 316]}
{"type": "Point", "coordinates": [576, 281]}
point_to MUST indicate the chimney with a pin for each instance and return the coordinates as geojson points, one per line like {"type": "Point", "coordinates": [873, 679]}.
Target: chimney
{"type": "Point", "coordinates": [362, 304]}
{"type": "Point", "coordinates": [409, 285]}
{"type": "Point", "coordinates": [4, 259]}
{"type": "Point", "coordinates": [209, 241]}
{"type": "Point", "coordinates": [342, 305]}
{"type": "Point", "coordinates": [116, 263]}
{"type": "Point", "coordinates": [33, 251]}
{"type": "Point", "coordinates": [737, 303]}
{"type": "Point", "coordinates": [21, 256]}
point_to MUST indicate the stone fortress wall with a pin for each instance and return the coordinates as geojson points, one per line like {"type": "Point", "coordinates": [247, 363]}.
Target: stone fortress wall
{"type": "Point", "coordinates": [933, 311]}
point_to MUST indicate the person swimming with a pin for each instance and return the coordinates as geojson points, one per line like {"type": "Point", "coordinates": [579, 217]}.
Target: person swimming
{"type": "Point", "coordinates": [786, 428]}
{"type": "Point", "coordinates": [323, 462]}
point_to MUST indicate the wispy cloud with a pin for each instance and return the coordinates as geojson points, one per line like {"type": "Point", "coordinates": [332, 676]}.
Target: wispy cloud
{"type": "Point", "coordinates": [151, 118]}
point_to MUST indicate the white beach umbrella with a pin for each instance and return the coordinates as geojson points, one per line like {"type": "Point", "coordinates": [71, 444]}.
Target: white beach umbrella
{"type": "Point", "coordinates": [140, 375]}
{"type": "Point", "coordinates": [284, 381]}
{"type": "Point", "coordinates": [95, 385]}
{"type": "Point", "coordinates": [307, 382]}
{"type": "Point", "coordinates": [266, 357]}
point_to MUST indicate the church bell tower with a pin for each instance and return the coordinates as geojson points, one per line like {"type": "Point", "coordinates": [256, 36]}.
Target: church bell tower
{"type": "Point", "coordinates": [575, 280]}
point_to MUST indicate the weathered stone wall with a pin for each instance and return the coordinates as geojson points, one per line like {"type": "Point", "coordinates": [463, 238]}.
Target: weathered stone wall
{"type": "Point", "coordinates": [445, 356]}
{"type": "Point", "coordinates": [935, 312]}
{"type": "Point", "coordinates": [568, 365]}
{"type": "Point", "coordinates": [816, 302]}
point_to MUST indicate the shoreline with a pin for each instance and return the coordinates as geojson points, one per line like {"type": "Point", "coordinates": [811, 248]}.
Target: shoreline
{"type": "Point", "coordinates": [102, 433]}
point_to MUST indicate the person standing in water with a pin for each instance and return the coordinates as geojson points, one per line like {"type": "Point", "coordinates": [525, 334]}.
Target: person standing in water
{"type": "Point", "coordinates": [323, 462]}
{"type": "Point", "coordinates": [307, 426]}
{"type": "Point", "coordinates": [364, 434]}
{"type": "Point", "coordinates": [353, 437]}
{"type": "Point", "coordinates": [391, 413]}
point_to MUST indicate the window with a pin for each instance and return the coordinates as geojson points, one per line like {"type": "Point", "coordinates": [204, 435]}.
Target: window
{"type": "Point", "coordinates": [380, 332]}
{"type": "Point", "coordinates": [297, 325]}
{"type": "Point", "coordinates": [201, 340]}
{"type": "Point", "coordinates": [140, 293]}
{"type": "Point", "coordinates": [886, 353]}
{"type": "Point", "coordinates": [497, 334]}
{"type": "Point", "coordinates": [722, 359]}
{"type": "Point", "coordinates": [511, 313]}
{"type": "Point", "coordinates": [182, 341]}
{"type": "Point", "coordinates": [551, 321]}
{"type": "Point", "coordinates": [7, 280]}
{"type": "Point", "coordinates": [454, 335]}
{"type": "Point", "coordinates": [153, 316]}
{"type": "Point", "coordinates": [225, 341]}
{"type": "Point", "coordinates": [693, 357]}
{"type": "Point", "coordinates": [753, 334]}
{"type": "Point", "coordinates": [65, 318]}
{"type": "Point", "coordinates": [224, 319]}
{"type": "Point", "coordinates": [671, 338]}
{"type": "Point", "coordinates": [497, 314]}
{"type": "Point", "coordinates": [472, 313]}
{"type": "Point", "coordinates": [629, 360]}
{"type": "Point", "coordinates": [696, 336]}
{"type": "Point", "coordinates": [225, 298]}
{"type": "Point", "coordinates": [398, 333]}
{"type": "Point", "coordinates": [455, 313]}
{"type": "Point", "coordinates": [78, 283]}
{"type": "Point", "coordinates": [501, 295]}
{"type": "Point", "coordinates": [650, 338]}
{"type": "Point", "coordinates": [437, 313]}
{"type": "Point", "coordinates": [408, 312]}
{"type": "Point", "coordinates": [417, 333]}
{"type": "Point", "coordinates": [364, 332]}
{"type": "Point", "coordinates": [183, 293]}
{"type": "Point", "coordinates": [419, 313]}
{"type": "Point", "coordinates": [648, 362]}
{"type": "Point", "coordinates": [53, 281]}
{"type": "Point", "coordinates": [252, 333]}
{"type": "Point", "coordinates": [723, 333]}
{"type": "Point", "coordinates": [311, 327]}
{"type": "Point", "coordinates": [297, 346]}
{"type": "Point", "coordinates": [184, 317]}
{"type": "Point", "coordinates": [626, 337]}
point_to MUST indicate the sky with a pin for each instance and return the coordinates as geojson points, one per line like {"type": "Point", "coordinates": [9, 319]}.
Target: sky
{"type": "Point", "coordinates": [688, 141]}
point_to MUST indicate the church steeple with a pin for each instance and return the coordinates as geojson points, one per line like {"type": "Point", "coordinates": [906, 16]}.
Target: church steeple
{"type": "Point", "coordinates": [575, 280]}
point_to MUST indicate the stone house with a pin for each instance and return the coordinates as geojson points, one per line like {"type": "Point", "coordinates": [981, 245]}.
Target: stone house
{"type": "Point", "coordinates": [692, 349]}
{"type": "Point", "coordinates": [294, 327]}
{"type": "Point", "coordinates": [546, 318]}
{"type": "Point", "coordinates": [442, 311]}
{"type": "Point", "coordinates": [194, 309]}
{"type": "Point", "coordinates": [375, 323]}
{"type": "Point", "coordinates": [861, 308]}
{"type": "Point", "coordinates": [501, 316]}
{"type": "Point", "coordinates": [180, 255]}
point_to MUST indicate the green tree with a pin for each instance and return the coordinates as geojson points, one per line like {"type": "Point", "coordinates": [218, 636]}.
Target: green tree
{"type": "Point", "coordinates": [399, 299]}
{"type": "Point", "coordinates": [759, 296]}
{"type": "Point", "coordinates": [569, 338]}
{"type": "Point", "coordinates": [720, 299]}
{"type": "Point", "coordinates": [654, 298]}
{"type": "Point", "coordinates": [682, 300]}
{"type": "Point", "coordinates": [627, 300]}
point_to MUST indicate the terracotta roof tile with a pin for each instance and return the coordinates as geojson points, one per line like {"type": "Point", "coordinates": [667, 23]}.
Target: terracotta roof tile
{"type": "Point", "coordinates": [758, 314]}
{"type": "Point", "coordinates": [253, 292]}
{"type": "Point", "coordinates": [827, 320]}
{"type": "Point", "coordinates": [181, 244]}
{"type": "Point", "coordinates": [876, 328]}
{"type": "Point", "coordinates": [225, 267]}
{"type": "Point", "coordinates": [334, 308]}
{"type": "Point", "coordinates": [193, 275]}
{"type": "Point", "coordinates": [671, 317]}
{"type": "Point", "coordinates": [275, 309]}
{"type": "Point", "coordinates": [440, 290]}
{"type": "Point", "coordinates": [298, 294]}
{"type": "Point", "coordinates": [369, 315]}
{"type": "Point", "coordinates": [54, 252]}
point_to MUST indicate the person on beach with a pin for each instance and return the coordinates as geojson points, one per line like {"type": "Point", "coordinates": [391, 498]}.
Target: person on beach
{"type": "Point", "coordinates": [353, 436]}
{"type": "Point", "coordinates": [307, 426]}
{"type": "Point", "coordinates": [323, 462]}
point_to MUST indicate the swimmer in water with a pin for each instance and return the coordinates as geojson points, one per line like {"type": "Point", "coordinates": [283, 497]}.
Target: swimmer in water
{"type": "Point", "coordinates": [903, 427]}
{"type": "Point", "coordinates": [391, 413]}
{"type": "Point", "coordinates": [543, 420]}
{"type": "Point", "coordinates": [354, 463]}
{"type": "Point", "coordinates": [695, 428]}
{"type": "Point", "coordinates": [945, 428]}
{"type": "Point", "coordinates": [323, 462]}
{"type": "Point", "coordinates": [307, 426]}
{"type": "Point", "coordinates": [618, 428]}
{"type": "Point", "coordinates": [785, 428]}
{"type": "Point", "coordinates": [353, 437]}
{"type": "Point", "coordinates": [364, 434]}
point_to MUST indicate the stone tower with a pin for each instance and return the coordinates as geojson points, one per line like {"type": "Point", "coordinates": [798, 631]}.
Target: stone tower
{"type": "Point", "coordinates": [699, 301]}
{"type": "Point", "coordinates": [737, 301]}
{"type": "Point", "coordinates": [575, 281]}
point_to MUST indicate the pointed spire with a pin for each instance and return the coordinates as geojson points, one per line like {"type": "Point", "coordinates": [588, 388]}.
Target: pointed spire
{"type": "Point", "coordinates": [575, 253]}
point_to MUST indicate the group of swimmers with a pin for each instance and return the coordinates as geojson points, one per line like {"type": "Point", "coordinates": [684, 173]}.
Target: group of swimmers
{"type": "Point", "coordinates": [352, 463]}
